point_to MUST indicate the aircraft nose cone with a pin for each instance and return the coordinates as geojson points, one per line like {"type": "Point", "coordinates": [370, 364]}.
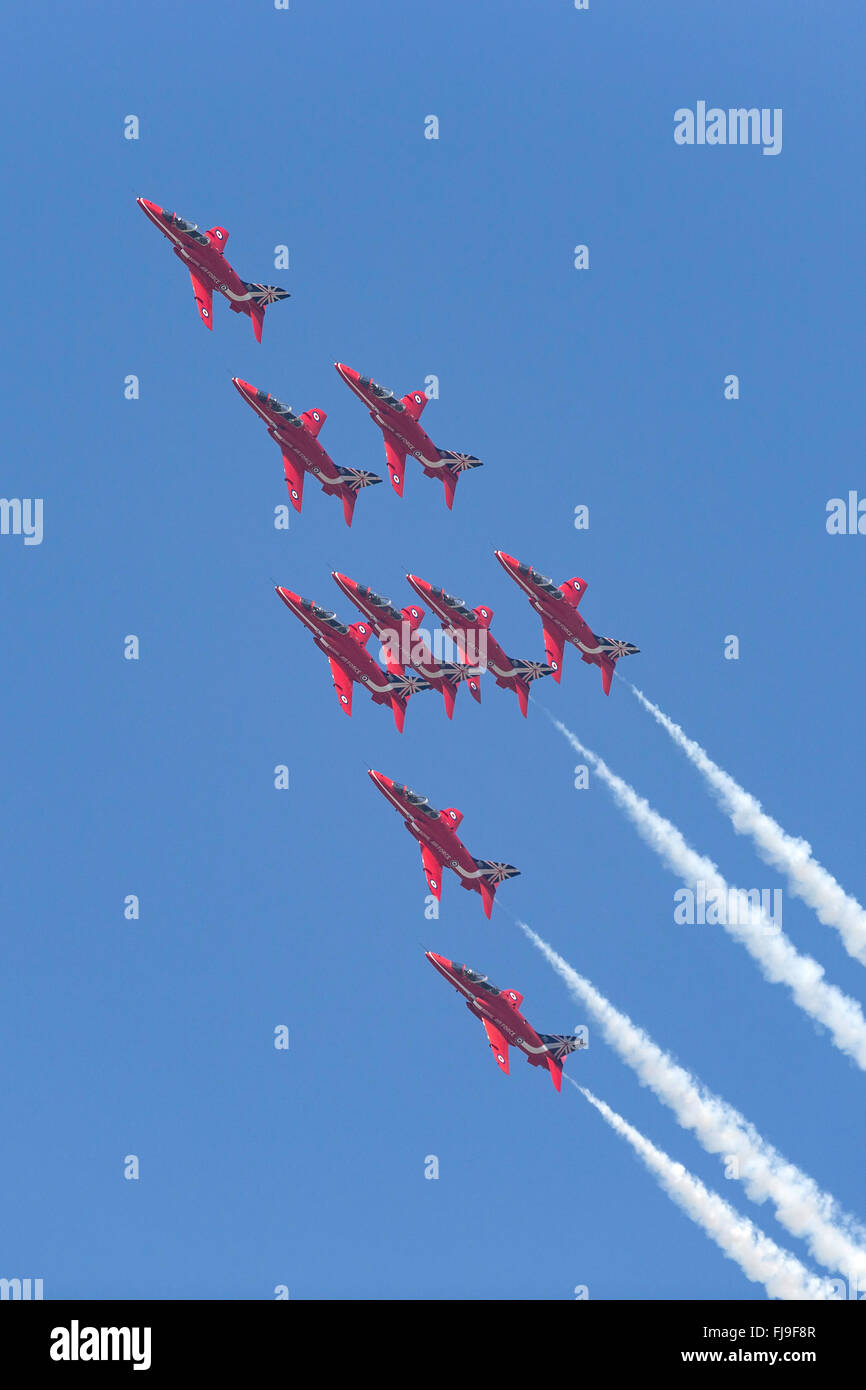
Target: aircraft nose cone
{"type": "Point", "coordinates": [147, 206]}
{"type": "Point", "coordinates": [243, 386]}
{"type": "Point", "coordinates": [345, 371]}
{"type": "Point", "coordinates": [505, 559]}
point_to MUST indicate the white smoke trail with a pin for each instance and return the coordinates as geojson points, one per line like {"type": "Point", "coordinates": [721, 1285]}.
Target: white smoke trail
{"type": "Point", "coordinates": [807, 879]}
{"type": "Point", "coordinates": [833, 1237]}
{"type": "Point", "coordinates": [779, 959]}
{"type": "Point", "coordinates": [760, 1259]}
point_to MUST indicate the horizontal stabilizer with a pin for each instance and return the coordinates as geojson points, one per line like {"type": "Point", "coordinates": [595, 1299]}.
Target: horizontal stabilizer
{"type": "Point", "coordinates": [263, 295]}
{"type": "Point", "coordinates": [560, 1044]}
{"type": "Point", "coordinates": [494, 872]}
{"type": "Point", "coordinates": [356, 478]}
{"type": "Point", "coordinates": [613, 649]}
{"type": "Point", "coordinates": [406, 684]}
{"type": "Point", "coordinates": [530, 670]}
{"type": "Point", "coordinates": [459, 463]}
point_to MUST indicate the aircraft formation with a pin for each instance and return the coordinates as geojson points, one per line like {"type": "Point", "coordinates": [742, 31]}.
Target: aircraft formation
{"type": "Point", "coordinates": [411, 667]}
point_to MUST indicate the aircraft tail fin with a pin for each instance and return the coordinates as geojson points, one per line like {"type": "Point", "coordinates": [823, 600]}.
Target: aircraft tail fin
{"type": "Point", "coordinates": [402, 687]}
{"type": "Point", "coordinates": [526, 672]}
{"type": "Point", "coordinates": [350, 482]}
{"type": "Point", "coordinates": [611, 651]}
{"type": "Point", "coordinates": [455, 465]}
{"type": "Point", "coordinates": [260, 297]}
{"type": "Point", "coordinates": [492, 875]}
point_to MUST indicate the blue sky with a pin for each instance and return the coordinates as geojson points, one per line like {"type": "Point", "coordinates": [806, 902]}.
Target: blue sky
{"type": "Point", "coordinates": [306, 907]}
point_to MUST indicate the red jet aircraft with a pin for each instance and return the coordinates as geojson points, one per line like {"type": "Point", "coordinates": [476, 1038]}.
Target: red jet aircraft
{"type": "Point", "coordinates": [499, 1011]}
{"type": "Point", "coordinates": [297, 436]}
{"type": "Point", "coordinates": [398, 632]}
{"type": "Point", "coordinates": [345, 649]}
{"type": "Point", "coordinates": [204, 254]}
{"type": "Point", "coordinates": [561, 621]}
{"type": "Point", "coordinates": [398, 421]}
{"type": "Point", "coordinates": [471, 631]}
{"type": "Point", "coordinates": [436, 833]}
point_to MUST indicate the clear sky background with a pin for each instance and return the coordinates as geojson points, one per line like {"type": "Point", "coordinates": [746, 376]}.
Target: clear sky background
{"type": "Point", "coordinates": [305, 907]}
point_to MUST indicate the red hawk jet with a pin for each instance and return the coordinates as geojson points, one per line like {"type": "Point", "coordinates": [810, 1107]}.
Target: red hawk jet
{"type": "Point", "coordinates": [499, 1011]}
{"type": "Point", "coordinates": [204, 254]}
{"type": "Point", "coordinates": [297, 436]}
{"type": "Point", "coordinates": [398, 421]}
{"type": "Point", "coordinates": [557, 608]}
{"type": "Point", "coordinates": [405, 646]}
{"type": "Point", "coordinates": [345, 649]}
{"type": "Point", "coordinates": [436, 833]}
{"type": "Point", "coordinates": [470, 629]}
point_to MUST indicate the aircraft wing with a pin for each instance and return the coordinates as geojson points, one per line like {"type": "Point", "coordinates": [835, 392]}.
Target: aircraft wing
{"type": "Point", "coordinates": [342, 683]}
{"type": "Point", "coordinates": [554, 643]}
{"type": "Point", "coordinates": [498, 1045]}
{"type": "Point", "coordinates": [433, 871]}
{"type": "Point", "coordinates": [203, 298]}
{"type": "Point", "coordinates": [396, 459]}
{"type": "Point", "coordinates": [294, 481]}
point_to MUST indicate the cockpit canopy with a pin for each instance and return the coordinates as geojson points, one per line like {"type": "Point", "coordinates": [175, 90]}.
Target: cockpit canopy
{"type": "Point", "coordinates": [324, 616]}
{"type": "Point", "coordinates": [473, 978]}
{"type": "Point", "coordinates": [189, 228]}
{"type": "Point", "coordinates": [457, 605]}
{"type": "Point", "coordinates": [280, 408]}
{"type": "Point", "coordinates": [544, 583]}
{"type": "Point", "coordinates": [418, 803]}
{"type": "Point", "coordinates": [377, 601]}
{"type": "Point", "coordinates": [385, 396]}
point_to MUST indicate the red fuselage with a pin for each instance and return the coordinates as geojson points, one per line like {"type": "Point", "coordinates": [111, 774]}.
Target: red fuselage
{"type": "Point", "coordinates": [399, 632]}
{"type": "Point", "coordinates": [403, 435]}
{"type": "Point", "coordinates": [203, 255]}
{"type": "Point", "coordinates": [350, 662]}
{"type": "Point", "coordinates": [478, 646]}
{"type": "Point", "coordinates": [504, 1024]}
{"type": "Point", "coordinates": [297, 436]}
{"type": "Point", "coordinates": [562, 623]}
{"type": "Point", "coordinates": [441, 847]}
